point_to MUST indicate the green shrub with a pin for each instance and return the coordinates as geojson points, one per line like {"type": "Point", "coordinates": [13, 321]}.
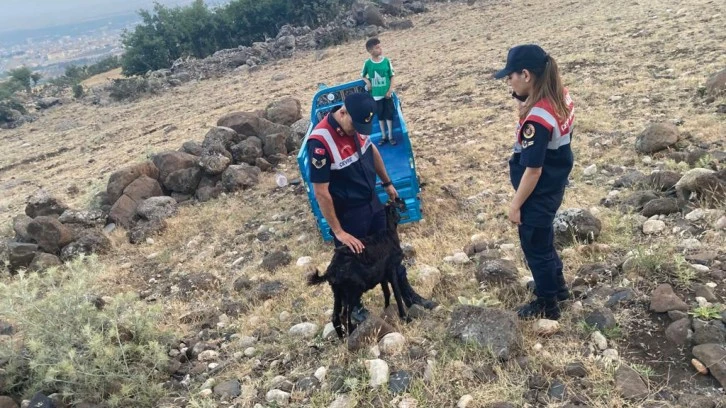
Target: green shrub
{"type": "Point", "coordinates": [77, 91]}
{"type": "Point", "coordinates": [67, 342]}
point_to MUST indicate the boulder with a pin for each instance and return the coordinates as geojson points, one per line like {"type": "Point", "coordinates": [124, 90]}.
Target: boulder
{"type": "Point", "coordinates": [679, 332]}
{"type": "Point", "coordinates": [20, 227]}
{"type": "Point", "coordinates": [660, 206]}
{"type": "Point", "coordinates": [142, 188]}
{"type": "Point", "coordinates": [145, 229]}
{"type": "Point", "coordinates": [274, 144]}
{"type": "Point", "coordinates": [244, 123]}
{"type": "Point", "coordinates": [493, 329]}
{"type": "Point", "coordinates": [170, 161]}
{"type": "Point", "coordinates": [712, 331]}
{"type": "Point", "coordinates": [214, 164]}
{"type": "Point", "coordinates": [89, 218]}
{"type": "Point", "coordinates": [247, 151]}
{"type": "Point", "coordinates": [119, 180]}
{"type": "Point", "coordinates": [662, 180]}
{"type": "Point", "coordinates": [575, 224]}
{"type": "Point", "coordinates": [656, 137]}
{"type": "Point", "coordinates": [629, 383]}
{"type": "Point", "coordinates": [713, 356]}
{"type": "Point", "coordinates": [156, 208]}
{"type": "Point", "coordinates": [45, 103]}
{"type": "Point", "coordinates": [184, 181]}
{"type": "Point", "coordinates": [42, 203]}
{"type": "Point", "coordinates": [43, 261]}
{"type": "Point", "coordinates": [20, 255]}
{"type": "Point", "coordinates": [709, 188]}
{"type": "Point", "coordinates": [123, 211]}
{"type": "Point", "coordinates": [221, 135]}
{"type": "Point", "coordinates": [637, 200]}
{"type": "Point", "coordinates": [497, 271]}
{"type": "Point", "coordinates": [663, 300]}
{"type": "Point", "coordinates": [716, 84]}
{"type": "Point", "coordinates": [239, 177]}
{"type": "Point", "coordinates": [192, 148]}
{"type": "Point", "coordinates": [370, 331]}
{"type": "Point", "coordinates": [50, 234]}
{"type": "Point", "coordinates": [300, 128]}
{"type": "Point", "coordinates": [209, 188]}
{"type": "Point", "coordinates": [89, 242]}
{"type": "Point", "coordinates": [286, 111]}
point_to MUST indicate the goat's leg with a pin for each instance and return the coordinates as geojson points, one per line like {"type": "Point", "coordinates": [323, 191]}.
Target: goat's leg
{"type": "Point", "coordinates": [397, 294]}
{"type": "Point", "coordinates": [337, 309]}
{"type": "Point", "coordinates": [386, 293]}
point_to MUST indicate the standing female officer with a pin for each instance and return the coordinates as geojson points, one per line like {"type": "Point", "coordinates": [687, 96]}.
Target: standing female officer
{"type": "Point", "coordinates": [539, 168]}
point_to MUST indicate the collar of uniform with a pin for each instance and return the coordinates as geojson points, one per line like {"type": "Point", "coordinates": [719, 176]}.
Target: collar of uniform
{"type": "Point", "coordinates": [334, 123]}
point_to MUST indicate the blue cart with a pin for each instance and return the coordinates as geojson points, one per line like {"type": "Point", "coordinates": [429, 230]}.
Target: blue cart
{"type": "Point", "coordinates": [398, 159]}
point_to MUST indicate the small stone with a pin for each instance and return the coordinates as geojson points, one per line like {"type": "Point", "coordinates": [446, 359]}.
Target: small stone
{"type": "Point", "coordinates": [679, 332]}
{"type": "Point", "coordinates": [720, 224]}
{"type": "Point", "coordinates": [599, 340]}
{"type": "Point", "coordinates": [699, 366]}
{"type": "Point", "coordinates": [700, 268]}
{"type": "Point", "coordinates": [705, 292]}
{"type": "Point", "coordinates": [676, 315]}
{"type": "Point", "coordinates": [392, 344]}
{"type": "Point", "coordinates": [208, 355]}
{"type": "Point", "coordinates": [630, 384]}
{"type": "Point", "coordinates": [206, 393]}
{"type": "Point", "coordinates": [576, 369]}
{"type": "Point", "coordinates": [538, 347]}
{"type": "Point", "coordinates": [320, 373]}
{"type": "Point", "coordinates": [464, 401]}
{"type": "Point", "coordinates": [343, 401]}
{"type": "Point", "coordinates": [285, 316]}
{"type": "Point", "coordinates": [459, 258]}
{"type": "Point", "coordinates": [611, 355]}
{"type": "Point", "coordinates": [690, 244]}
{"type": "Point", "coordinates": [545, 327]}
{"type": "Point", "coordinates": [399, 382]}
{"type": "Point", "coordinates": [329, 331]}
{"type": "Point", "coordinates": [250, 352]}
{"type": "Point", "coordinates": [601, 319]}
{"type": "Point", "coordinates": [378, 372]}
{"type": "Point", "coordinates": [695, 215]}
{"type": "Point", "coordinates": [228, 389]}
{"type": "Point", "coordinates": [304, 261]}
{"type": "Point", "coordinates": [278, 396]}
{"type": "Point", "coordinates": [590, 170]}
{"type": "Point", "coordinates": [651, 227]}
{"type": "Point", "coordinates": [663, 299]}
{"type": "Point", "coordinates": [305, 330]}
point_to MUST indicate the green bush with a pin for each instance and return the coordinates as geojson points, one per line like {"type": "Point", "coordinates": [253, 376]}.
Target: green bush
{"type": "Point", "coordinates": [166, 34]}
{"type": "Point", "coordinates": [77, 91]}
{"type": "Point", "coordinates": [67, 342]}
{"type": "Point", "coordinates": [131, 88]}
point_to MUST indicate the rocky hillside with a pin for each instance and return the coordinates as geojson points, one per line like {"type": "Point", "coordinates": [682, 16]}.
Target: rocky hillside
{"type": "Point", "coordinates": [641, 232]}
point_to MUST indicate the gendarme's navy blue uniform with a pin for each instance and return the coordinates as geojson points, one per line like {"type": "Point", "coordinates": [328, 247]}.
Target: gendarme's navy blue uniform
{"type": "Point", "coordinates": [543, 141]}
{"type": "Point", "coordinates": [348, 166]}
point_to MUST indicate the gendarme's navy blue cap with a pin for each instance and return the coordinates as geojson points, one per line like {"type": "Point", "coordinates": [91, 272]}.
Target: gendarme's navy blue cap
{"type": "Point", "coordinates": [361, 107]}
{"type": "Point", "coordinates": [528, 56]}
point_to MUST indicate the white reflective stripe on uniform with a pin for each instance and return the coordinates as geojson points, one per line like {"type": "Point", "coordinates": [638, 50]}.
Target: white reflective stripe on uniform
{"type": "Point", "coordinates": [325, 134]}
{"type": "Point", "coordinates": [345, 162]}
{"type": "Point", "coordinates": [547, 118]}
{"type": "Point", "coordinates": [556, 143]}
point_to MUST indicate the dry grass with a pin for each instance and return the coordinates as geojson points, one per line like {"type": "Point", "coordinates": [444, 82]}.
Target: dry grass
{"type": "Point", "coordinates": [653, 55]}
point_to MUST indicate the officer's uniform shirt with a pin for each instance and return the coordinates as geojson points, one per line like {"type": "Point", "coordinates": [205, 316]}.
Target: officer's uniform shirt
{"type": "Point", "coordinates": [334, 159]}
{"type": "Point", "coordinates": [543, 141]}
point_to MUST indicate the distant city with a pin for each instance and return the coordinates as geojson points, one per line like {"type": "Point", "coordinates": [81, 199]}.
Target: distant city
{"type": "Point", "coordinates": [49, 50]}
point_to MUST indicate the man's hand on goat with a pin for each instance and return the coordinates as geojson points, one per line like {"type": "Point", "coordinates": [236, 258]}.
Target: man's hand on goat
{"type": "Point", "coordinates": [392, 193]}
{"type": "Point", "coordinates": [350, 241]}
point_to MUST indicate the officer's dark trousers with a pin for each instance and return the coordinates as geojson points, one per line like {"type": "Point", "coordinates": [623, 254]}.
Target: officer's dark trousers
{"type": "Point", "coordinates": [539, 250]}
{"type": "Point", "coordinates": [361, 222]}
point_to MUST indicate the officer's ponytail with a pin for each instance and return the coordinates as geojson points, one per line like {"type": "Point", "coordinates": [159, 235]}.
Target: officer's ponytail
{"type": "Point", "coordinates": [548, 85]}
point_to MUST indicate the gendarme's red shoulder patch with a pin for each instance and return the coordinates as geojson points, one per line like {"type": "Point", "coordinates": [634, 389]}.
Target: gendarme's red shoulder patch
{"type": "Point", "coordinates": [319, 150]}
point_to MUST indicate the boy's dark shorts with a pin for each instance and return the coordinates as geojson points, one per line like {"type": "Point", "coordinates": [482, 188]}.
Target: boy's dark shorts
{"type": "Point", "coordinates": [385, 109]}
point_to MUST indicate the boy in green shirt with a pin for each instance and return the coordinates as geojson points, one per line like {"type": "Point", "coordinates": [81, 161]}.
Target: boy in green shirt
{"type": "Point", "coordinates": [378, 75]}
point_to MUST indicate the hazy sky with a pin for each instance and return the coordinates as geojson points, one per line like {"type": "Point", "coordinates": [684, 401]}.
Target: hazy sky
{"type": "Point", "coordinates": [19, 14]}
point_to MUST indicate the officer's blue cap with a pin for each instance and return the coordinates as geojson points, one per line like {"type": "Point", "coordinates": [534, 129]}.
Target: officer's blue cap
{"type": "Point", "coordinates": [528, 56]}
{"type": "Point", "coordinates": [361, 107]}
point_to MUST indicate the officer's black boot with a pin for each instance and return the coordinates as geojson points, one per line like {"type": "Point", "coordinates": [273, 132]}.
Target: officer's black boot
{"type": "Point", "coordinates": [541, 307]}
{"type": "Point", "coordinates": [410, 297]}
{"type": "Point", "coordinates": [563, 292]}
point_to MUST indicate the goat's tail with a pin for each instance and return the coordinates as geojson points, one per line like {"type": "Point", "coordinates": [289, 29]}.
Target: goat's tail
{"type": "Point", "coordinates": [316, 278]}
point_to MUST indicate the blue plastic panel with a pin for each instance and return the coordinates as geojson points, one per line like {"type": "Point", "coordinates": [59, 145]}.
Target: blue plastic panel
{"type": "Point", "coordinates": [398, 159]}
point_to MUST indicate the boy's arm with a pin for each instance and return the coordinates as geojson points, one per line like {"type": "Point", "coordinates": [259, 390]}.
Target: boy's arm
{"type": "Point", "coordinates": [364, 75]}
{"type": "Point", "coordinates": [391, 81]}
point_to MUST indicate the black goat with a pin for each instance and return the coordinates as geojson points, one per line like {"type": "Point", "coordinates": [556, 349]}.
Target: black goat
{"type": "Point", "coordinates": [350, 274]}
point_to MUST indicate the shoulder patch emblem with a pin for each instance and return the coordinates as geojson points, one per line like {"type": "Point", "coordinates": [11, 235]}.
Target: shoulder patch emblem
{"type": "Point", "coordinates": [320, 151]}
{"type": "Point", "coordinates": [528, 131]}
{"type": "Point", "coordinates": [319, 163]}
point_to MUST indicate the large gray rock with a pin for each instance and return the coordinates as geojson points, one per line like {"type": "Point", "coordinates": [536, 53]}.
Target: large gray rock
{"type": "Point", "coordinates": [214, 164]}
{"type": "Point", "coordinates": [660, 206]}
{"type": "Point", "coordinates": [663, 300]}
{"type": "Point", "coordinates": [494, 329]}
{"type": "Point", "coordinates": [7, 402]}
{"type": "Point", "coordinates": [42, 203]}
{"type": "Point", "coordinates": [240, 177]}
{"type": "Point", "coordinates": [20, 227]}
{"type": "Point", "coordinates": [497, 271]}
{"type": "Point", "coordinates": [119, 180]}
{"type": "Point", "coordinates": [143, 188]}
{"type": "Point", "coordinates": [89, 242]}
{"type": "Point", "coordinates": [663, 180]}
{"type": "Point", "coordinates": [156, 208]}
{"type": "Point", "coordinates": [50, 234]}
{"type": "Point", "coordinates": [192, 148]}
{"type": "Point", "coordinates": [713, 356]}
{"type": "Point", "coordinates": [637, 200]}
{"type": "Point", "coordinates": [43, 261]}
{"type": "Point", "coordinates": [209, 188]}
{"type": "Point", "coordinates": [274, 144]}
{"type": "Point", "coordinates": [371, 331]}
{"type": "Point", "coordinates": [286, 111]}
{"type": "Point", "coordinates": [705, 332]}
{"type": "Point", "coordinates": [716, 83]}
{"type": "Point", "coordinates": [601, 318]}
{"type": "Point", "coordinates": [247, 151]}
{"type": "Point", "coordinates": [20, 255]}
{"type": "Point", "coordinates": [88, 218]}
{"type": "Point", "coordinates": [145, 229]}
{"type": "Point", "coordinates": [629, 383]}
{"type": "Point", "coordinates": [679, 332]}
{"type": "Point", "coordinates": [184, 181]}
{"type": "Point", "coordinates": [575, 225]}
{"type": "Point", "coordinates": [220, 135]}
{"type": "Point", "coordinates": [656, 137]}
{"type": "Point", "coordinates": [228, 390]}
{"type": "Point", "coordinates": [123, 211]}
{"type": "Point", "coordinates": [169, 162]}
{"type": "Point", "coordinates": [250, 124]}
